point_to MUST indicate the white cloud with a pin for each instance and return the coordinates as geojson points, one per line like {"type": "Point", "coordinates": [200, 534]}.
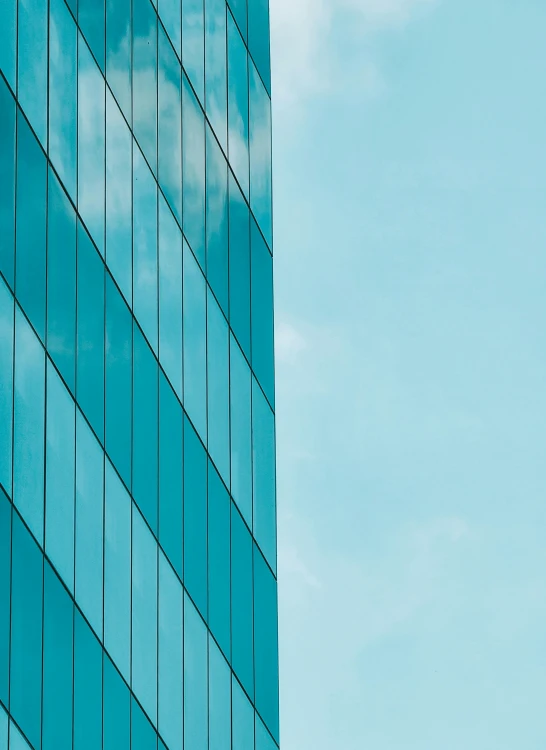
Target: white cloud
{"type": "Point", "coordinates": [289, 342]}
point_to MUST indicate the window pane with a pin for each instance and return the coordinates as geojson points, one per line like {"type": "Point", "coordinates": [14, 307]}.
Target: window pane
{"type": "Point", "coordinates": [195, 518]}
{"type": "Point", "coordinates": [169, 12]}
{"type": "Point", "coordinates": [242, 719]}
{"type": "Point", "coordinates": [264, 741]}
{"type": "Point", "coordinates": [195, 679]}
{"type": "Point", "coordinates": [170, 124]}
{"type": "Point", "coordinates": [117, 710]}
{"type": "Point", "coordinates": [87, 687]}
{"type": "Point", "coordinates": [89, 524]}
{"type": "Point", "coordinates": [170, 655]}
{"type": "Point", "coordinates": [241, 431]}
{"type": "Point", "coordinates": [4, 727]}
{"type": "Point", "coordinates": [118, 52]}
{"type": "Point", "coordinates": [217, 221]}
{"type": "Point", "coordinates": [5, 594]}
{"type": "Point", "coordinates": [216, 68]}
{"type": "Point", "coordinates": [143, 736]}
{"type": "Point", "coordinates": [26, 632]}
{"type": "Point", "coordinates": [91, 21]}
{"type": "Point", "coordinates": [61, 281]}
{"type": "Point", "coordinates": [63, 94]}
{"type": "Point", "coordinates": [7, 179]}
{"type": "Point", "coordinates": [239, 266]}
{"type": "Point", "coordinates": [58, 654]}
{"type": "Point", "coordinates": [32, 64]}
{"type": "Point", "coordinates": [260, 155]}
{"type": "Point", "coordinates": [241, 602]}
{"type": "Point", "coordinates": [117, 571]}
{"type": "Point", "coordinates": [238, 105]}
{"type": "Point", "coordinates": [266, 643]}
{"type": "Point", "coordinates": [193, 44]}
{"type": "Point", "coordinates": [7, 320]}
{"type": "Point", "coordinates": [219, 560]}
{"type": "Point", "coordinates": [219, 700]}
{"type": "Point", "coordinates": [8, 39]}
{"type": "Point", "coordinates": [218, 387]}
{"type": "Point", "coordinates": [193, 163]}
{"type": "Point", "coordinates": [195, 339]}
{"type": "Point", "coordinates": [16, 739]}
{"type": "Point", "coordinates": [258, 38]}
{"type": "Point", "coordinates": [263, 473]}
{"type": "Point", "coordinates": [60, 475]}
{"type": "Point", "coordinates": [262, 313]}
{"type": "Point", "coordinates": [145, 247]}
{"type": "Point", "coordinates": [239, 10]}
{"type": "Point", "coordinates": [28, 444]}
{"type": "Point", "coordinates": [170, 474]}
{"type": "Point", "coordinates": [145, 78]}
{"type": "Point", "coordinates": [170, 296]}
{"type": "Point", "coordinates": [31, 226]}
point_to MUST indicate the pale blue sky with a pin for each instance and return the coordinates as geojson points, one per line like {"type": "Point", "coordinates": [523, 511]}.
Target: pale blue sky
{"type": "Point", "coordinates": [410, 241]}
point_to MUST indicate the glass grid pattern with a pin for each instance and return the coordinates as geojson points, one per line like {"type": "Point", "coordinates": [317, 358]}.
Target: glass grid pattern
{"type": "Point", "coordinates": [138, 594]}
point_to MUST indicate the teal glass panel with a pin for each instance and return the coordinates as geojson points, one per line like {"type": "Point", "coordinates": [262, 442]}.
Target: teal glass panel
{"type": "Point", "coordinates": [219, 700]}
{"type": "Point", "coordinates": [239, 10]}
{"type": "Point", "coordinates": [258, 38]}
{"type": "Point", "coordinates": [91, 144]}
{"type": "Point", "coordinates": [217, 221]}
{"type": "Point", "coordinates": [170, 474]}
{"type": "Point", "coordinates": [193, 44]}
{"type": "Point", "coordinates": [195, 679]}
{"type": "Point", "coordinates": [119, 367]}
{"type": "Point", "coordinates": [218, 387]}
{"type": "Point", "coordinates": [60, 476]}
{"type": "Point", "coordinates": [145, 280]}
{"type": "Point", "coordinates": [169, 12]}
{"type": "Point", "coordinates": [89, 524]}
{"type": "Point", "coordinates": [8, 40]}
{"type": "Point", "coordinates": [91, 20]}
{"type": "Point", "coordinates": [262, 314]}
{"type": "Point", "coordinates": [26, 632]}
{"type": "Point", "coordinates": [61, 281]}
{"type": "Point", "coordinates": [5, 583]}
{"type": "Point", "coordinates": [193, 168]}
{"type": "Point", "coordinates": [119, 205]}
{"type": "Point", "coordinates": [4, 729]}
{"type": "Point", "coordinates": [219, 560]}
{"type": "Point", "coordinates": [266, 658]}
{"type": "Point", "coordinates": [117, 571]}
{"type": "Point", "coordinates": [170, 675]}
{"type": "Point", "coordinates": [117, 709]}
{"type": "Point", "coordinates": [90, 332]}
{"type": "Point", "coordinates": [87, 687]}
{"type": "Point", "coordinates": [263, 475]}
{"type": "Point", "coordinates": [195, 518]}
{"type": "Point", "coordinates": [30, 263]}
{"type": "Point", "coordinates": [242, 717]}
{"type": "Point", "coordinates": [237, 105]}
{"type": "Point", "coordinates": [7, 322]}
{"type": "Point", "coordinates": [63, 94]}
{"type": "Point", "coordinates": [195, 343]}
{"type": "Point", "coordinates": [264, 741]}
{"type": "Point", "coordinates": [118, 52]}
{"type": "Point", "coordinates": [145, 79]}
{"type": "Point", "coordinates": [170, 296]}
{"type": "Point", "coordinates": [144, 616]}
{"type": "Point", "coordinates": [241, 431]}
{"type": "Point", "coordinates": [16, 739]}
{"type": "Point", "coordinates": [7, 180]}
{"type": "Point", "coordinates": [216, 68]}
{"type": "Point", "coordinates": [260, 155]}
{"type": "Point", "coordinates": [169, 124]}
{"type": "Point", "coordinates": [241, 602]}
{"type": "Point", "coordinates": [145, 428]}
{"type": "Point", "coordinates": [239, 266]}
{"type": "Point", "coordinates": [58, 656]}
{"type": "Point", "coordinates": [143, 736]}
{"type": "Point", "coordinates": [28, 429]}
{"type": "Point", "coordinates": [32, 64]}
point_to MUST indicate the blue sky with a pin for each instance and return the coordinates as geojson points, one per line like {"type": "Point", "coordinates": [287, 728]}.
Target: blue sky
{"type": "Point", "coordinates": [410, 241]}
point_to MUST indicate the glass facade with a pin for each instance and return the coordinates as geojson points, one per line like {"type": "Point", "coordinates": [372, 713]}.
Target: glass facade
{"type": "Point", "coordinates": [138, 593]}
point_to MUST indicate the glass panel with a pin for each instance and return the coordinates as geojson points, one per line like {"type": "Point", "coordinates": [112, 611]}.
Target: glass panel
{"type": "Point", "coordinates": [170, 655]}
{"type": "Point", "coordinates": [145, 247]}
{"type": "Point", "coordinates": [144, 616]}
{"type": "Point", "coordinates": [119, 369]}
{"type": "Point", "coordinates": [7, 322]}
{"type": "Point", "coordinates": [60, 476]}
{"type": "Point", "coordinates": [8, 39]}
{"type": "Point", "coordinates": [238, 105]}
{"type": "Point", "coordinates": [262, 313]}
{"type": "Point", "coordinates": [193, 44]}
{"type": "Point", "coordinates": [219, 700]}
{"type": "Point", "coordinates": [61, 282]}
{"type": "Point", "coordinates": [5, 595]}
{"type": "Point", "coordinates": [260, 155]}
{"type": "Point", "coordinates": [169, 12]}
{"type": "Point", "coordinates": [29, 414]}
{"type": "Point", "coordinates": [217, 221]}
{"type": "Point", "coordinates": [89, 524]}
{"type": "Point", "coordinates": [91, 144]}
{"type": "Point", "coordinates": [263, 476]}
{"type": "Point", "coordinates": [26, 633]}
{"type": "Point", "coordinates": [90, 332]}
{"type": "Point", "coordinates": [195, 517]}
{"type": "Point", "coordinates": [219, 560]}
{"type": "Point", "coordinates": [170, 124]}
{"type": "Point", "coordinates": [170, 296]}
{"type": "Point", "coordinates": [117, 710]}
{"type": "Point", "coordinates": [193, 164]}
{"type": "Point", "coordinates": [216, 68]}
{"type": "Point", "coordinates": [145, 79]}
{"type": "Point", "coordinates": [239, 10]}
{"type": "Point", "coordinates": [117, 571]}
{"type": "Point", "coordinates": [241, 602]}
{"type": "Point", "coordinates": [218, 387]}
{"type": "Point", "coordinates": [264, 741]}
{"type": "Point", "coordinates": [87, 687]}
{"type": "Point", "coordinates": [145, 428]}
{"type": "Point", "coordinates": [119, 204]}
{"type": "Point", "coordinates": [7, 179]}
{"type": "Point", "coordinates": [195, 679]}
{"type": "Point", "coordinates": [266, 668]}
{"type": "Point", "coordinates": [58, 654]}
{"type": "Point", "coordinates": [242, 719]}
{"type": "Point", "coordinates": [258, 38]}
{"type": "Point", "coordinates": [143, 736]}
{"type": "Point", "coordinates": [118, 52]}
{"type": "Point", "coordinates": [4, 727]}
{"type": "Point", "coordinates": [91, 21]}
{"type": "Point", "coordinates": [195, 340]}
{"type": "Point", "coordinates": [239, 266]}
{"type": "Point", "coordinates": [170, 474]}
{"type": "Point", "coordinates": [16, 739]}
{"type": "Point", "coordinates": [241, 431]}
{"type": "Point", "coordinates": [31, 226]}
{"type": "Point", "coordinates": [32, 64]}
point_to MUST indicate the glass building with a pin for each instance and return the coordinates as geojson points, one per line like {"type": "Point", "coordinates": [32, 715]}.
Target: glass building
{"type": "Point", "coordinates": [138, 594]}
